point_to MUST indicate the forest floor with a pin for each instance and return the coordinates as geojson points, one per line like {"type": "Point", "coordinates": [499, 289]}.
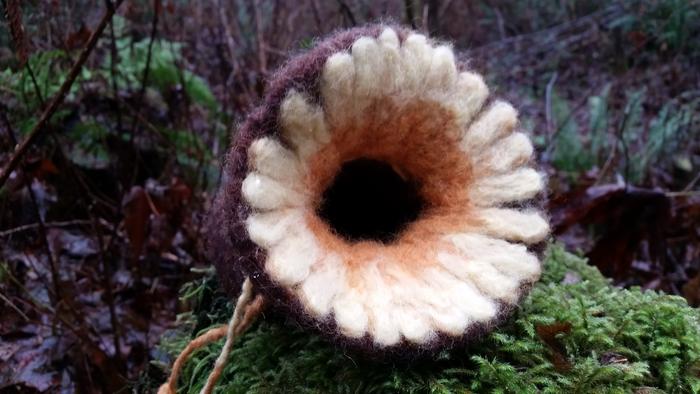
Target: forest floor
{"type": "Point", "coordinates": [100, 219]}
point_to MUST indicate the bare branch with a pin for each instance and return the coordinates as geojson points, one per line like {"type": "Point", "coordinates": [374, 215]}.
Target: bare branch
{"type": "Point", "coordinates": [60, 96]}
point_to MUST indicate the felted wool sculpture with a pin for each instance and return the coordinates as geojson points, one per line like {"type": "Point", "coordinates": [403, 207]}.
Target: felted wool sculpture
{"type": "Point", "coordinates": [380, 196]}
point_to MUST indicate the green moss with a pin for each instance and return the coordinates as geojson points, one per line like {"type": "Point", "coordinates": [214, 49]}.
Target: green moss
{"type": "Point", "coordinates": [619, 341]}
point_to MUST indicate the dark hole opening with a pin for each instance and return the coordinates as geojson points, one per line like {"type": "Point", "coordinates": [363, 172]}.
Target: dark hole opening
{"type": "Point", "coordinates": [368, 200]}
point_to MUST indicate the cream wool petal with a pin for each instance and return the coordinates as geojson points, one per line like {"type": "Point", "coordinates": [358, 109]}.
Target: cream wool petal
{"type": "Point", "coordinates": [350, 313]}
{"type": "Point", "coordinates": [389, 39]}
{"type": "Point", "coordinates": [464, 296]}
{"type": "Point", "coordinates": [268, 228]}
{"type": "Point", "coordinates": [521, 184]}
{"type": "Point", "coordinates": [511, 259]}
{"type": "Point", "coordinates": [410, 311]}
{"type": "Point", "coordinates": [483, 275]}
{"type": "Point", "coordinates": [467, 97]}
{"type": "Point", "coordinates": [384, 328]}
{"type": "Point", "coordinates": [416, 56]}
{"type": "Point", "coordinates": [525, 226]}
{"type": "Point", "coordinates": [506, 154]}
{"type": "Point", "coordinates": [421, 291]}
{"type": "Point", "coordinates": [498, 120]}
{"type": "Point", "coordinates": [322, 285]}
{"type": "Point", "coordinates": [370, 70]}
{"type": "Point", "coordinates": [451, 319]}
{"type": "Point", "coordinates": [389, 47]}
{"type": "Point", "coordinates": [337, 86]}
{"type": "Point", "coordinates": [265, 193]}
{"type": "Point", "coordinates": [442, 73]}
{"type": "Point", "coordinates": [303, 124]}
{"type": "Point", "coordinates": [290, 260]}
{"type": "Point", "coordinates": [268, 157]}
{"type": "Point", "coordinates": [428, 299]}
{"type": "Point", "coordinates": [413, 325]}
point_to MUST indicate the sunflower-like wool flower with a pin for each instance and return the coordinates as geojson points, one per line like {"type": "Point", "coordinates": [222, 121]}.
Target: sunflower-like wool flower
{"type": "Point", "coordinates": [379, 194]}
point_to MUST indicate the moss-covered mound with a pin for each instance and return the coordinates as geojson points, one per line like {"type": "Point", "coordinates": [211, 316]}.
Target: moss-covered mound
{"type": "Point", "coordinates": [574, 333]}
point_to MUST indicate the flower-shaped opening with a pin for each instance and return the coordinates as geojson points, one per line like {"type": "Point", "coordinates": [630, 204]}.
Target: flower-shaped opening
{"type": "Point", "coordinates": [394, 205]}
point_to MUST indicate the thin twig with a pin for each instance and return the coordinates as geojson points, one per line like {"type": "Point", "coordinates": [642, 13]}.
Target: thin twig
{"type": "Point", "coordinates": [58, 99]}
{"type": "Point", "coordinates": [692, 183]}
{"type": "Point", "coordinates": [608, 164]}
{"type": "Point", "coordinates": [548, 106]}
{"type": "Point", "coordinates": [37, 90]}
{"type": "Point", "coordinates": [546, 36]}
{"type": "Point", "coordinates": [55, 278]}
{"type": "Point", "coordinates": [114, 53]}
{"type": "Point", "coordinates": [34, 226]}
{"type": "Point", "coordinates": [260, 39]}
{"type": "Point", "coordinates": [147, 66]}
{"type": "Point", "coordinates": [560, 127]}
{"type": "Point", "coordinates": [229, 37]}
{"type": "Point", "coordinates": [317, 16]}
{"type": "Point", "coordinates": [621, 137]}
{"type": "Point", "coordinates": [13, 12]}
{"type": "Point", "coordinates": [345, 10]}
{"type": "Point", "coordinates": [15, 307]}
{"type": "Point", "coordinates": [107, 284]}
{"type": "Point", "coordinates": [685, 193]}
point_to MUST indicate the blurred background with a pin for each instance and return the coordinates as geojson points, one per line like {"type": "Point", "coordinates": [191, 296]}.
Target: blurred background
{"type": "Point", "coordinates": [100, 220]}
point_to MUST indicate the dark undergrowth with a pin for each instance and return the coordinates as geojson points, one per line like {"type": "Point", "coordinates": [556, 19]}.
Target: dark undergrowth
{"type": "Point", "coordinates": [101, 215]}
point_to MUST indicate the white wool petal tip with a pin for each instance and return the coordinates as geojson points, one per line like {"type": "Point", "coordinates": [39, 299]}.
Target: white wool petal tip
{"type": "Point", "coordinates": [289, 261]}
{"type": "Point", "coordinates": [382, 324]}
{"type": "Point", "coordinates": [389, 38]}
{"type": "Point", "coordinates": [269, 228]}
{"type": "Point", "coordinates": [350, 314]}
{"type": "Point", "coordinates": [265, 193]}
{"type": "Point", "coordinates": [500, 119]}
{"type": "Point", "coordinates": [506, 154]}
{"type": "Point", "coordinates": [417, 57]}
{"type": "Point", "coordinates": [469, 95]}
{"type": "Point", "coordinates": [528, 226]}
{"type": "Point", "coordinates": [369, 68]}
{"type": "Point", "coordinates": [511, 259]}
{"type": "Point", "coordinates": [522, 184]}
{"type": "Point", "coordinates": [337, 85]}
{"type": "Point", "coordinates": [483, 275]}
{"type": "Point", "coordinates": [268, 157]}
{"type": "Point", "coordinates": [303, 124]}
{"type": "Point", "coordinates": [323, 284]}
{"type": "Point", "coordinates": [443, 70]}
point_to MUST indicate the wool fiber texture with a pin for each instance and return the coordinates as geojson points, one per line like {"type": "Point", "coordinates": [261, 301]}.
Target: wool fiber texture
{"type": "Point", "coordinates": [379, 195]}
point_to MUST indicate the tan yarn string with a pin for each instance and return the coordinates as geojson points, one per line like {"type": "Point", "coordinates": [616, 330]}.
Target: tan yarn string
{"type": "Point", "coordinates": [244, 314]}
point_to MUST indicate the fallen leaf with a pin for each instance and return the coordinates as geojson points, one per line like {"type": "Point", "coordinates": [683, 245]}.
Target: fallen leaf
{"type": "Point", "coordinates": [629, 215]}
{"type": "Point", "coordinates": [548, 334]}
{"type": "Point", "coordinates": [691, 291]}
{"type": "Point", "coordinates": [137, 211]}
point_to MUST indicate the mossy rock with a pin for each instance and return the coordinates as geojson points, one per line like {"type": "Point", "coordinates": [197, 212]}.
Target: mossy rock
{"type": "Point", "coordinates": [574, 333]}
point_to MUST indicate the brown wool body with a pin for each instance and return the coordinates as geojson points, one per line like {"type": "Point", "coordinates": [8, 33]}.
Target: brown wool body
{"type": "Point", "coordinates": [463, 225]}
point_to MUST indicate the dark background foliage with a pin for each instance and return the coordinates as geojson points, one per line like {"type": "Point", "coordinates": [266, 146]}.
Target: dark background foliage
{"type": "Point", "coordinates": [100, 222]}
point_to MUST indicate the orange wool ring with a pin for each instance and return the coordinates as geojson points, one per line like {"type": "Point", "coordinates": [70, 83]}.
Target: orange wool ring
{"type": "Point", "coordinates": [378, 196]}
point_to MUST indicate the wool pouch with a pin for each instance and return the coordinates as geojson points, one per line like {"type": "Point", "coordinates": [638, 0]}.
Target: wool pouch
{"type": "Point", "coordinates": [380, 196]}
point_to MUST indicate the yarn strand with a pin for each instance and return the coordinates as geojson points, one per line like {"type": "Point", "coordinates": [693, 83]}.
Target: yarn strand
{"type": "Point", "coordinates": [244, 313]}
